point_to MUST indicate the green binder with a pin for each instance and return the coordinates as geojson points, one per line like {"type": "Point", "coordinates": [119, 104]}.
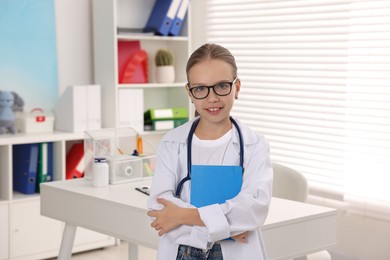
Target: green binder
{"type": "Point", "coordinates": [45, 164]}
{"type": "Point", "coordinates": [166, 113]}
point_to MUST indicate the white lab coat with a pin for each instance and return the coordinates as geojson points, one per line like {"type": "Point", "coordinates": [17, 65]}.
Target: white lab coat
{"type": "Point", "coordinates": [245, 212]}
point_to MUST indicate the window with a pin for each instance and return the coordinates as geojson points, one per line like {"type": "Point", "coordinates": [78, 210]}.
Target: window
{"type": "Point", "coordinates": [316, 81]}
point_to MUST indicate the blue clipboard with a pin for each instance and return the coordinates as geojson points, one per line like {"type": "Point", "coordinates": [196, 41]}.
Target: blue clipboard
{"type": "Point", "coordinates": [214, 184]}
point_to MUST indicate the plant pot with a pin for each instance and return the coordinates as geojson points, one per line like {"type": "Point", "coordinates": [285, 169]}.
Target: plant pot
{"type": "Point", "coordinates": [165, 74]}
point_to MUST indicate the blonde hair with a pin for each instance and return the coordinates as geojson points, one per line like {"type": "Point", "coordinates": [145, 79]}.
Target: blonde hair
{"type": "Point", "coordinates": [210, 51]}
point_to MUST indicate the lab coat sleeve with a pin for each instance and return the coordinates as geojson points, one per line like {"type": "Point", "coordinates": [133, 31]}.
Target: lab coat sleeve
{"type": "Point", "coordinates": [249, 209]}
{"type": "Point", "coordinates": [164, 186]}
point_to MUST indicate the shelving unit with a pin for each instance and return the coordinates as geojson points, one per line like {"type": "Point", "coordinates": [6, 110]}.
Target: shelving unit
{"type": "Point", "coordinates": [107, 17]}
{"type": "Point", "coordinates": [24, 233]}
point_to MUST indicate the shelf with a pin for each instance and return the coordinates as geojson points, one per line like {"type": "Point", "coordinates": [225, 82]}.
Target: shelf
{"type": "Point", "coordinates": [152, 85]}
{"type": "Point", "coordinates": [4, 202]}
{"type": "Point", "coordinates": [143, 37]}
{"type": "Point", "coordinates": [17, 196]}
{"type": "Point", "coordinates": [124, 104]}
{"type": "Point", "coordinates": [39, 138]}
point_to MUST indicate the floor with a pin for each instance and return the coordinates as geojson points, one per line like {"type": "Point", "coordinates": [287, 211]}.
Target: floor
{"type": "Point", "coordinates": [120, 253]}
{"type": "Point", "coordinates": [115, 252]}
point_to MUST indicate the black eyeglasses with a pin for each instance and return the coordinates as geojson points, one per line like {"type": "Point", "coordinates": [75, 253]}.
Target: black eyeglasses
{"type": "Point", "coordinates": [221, 89]}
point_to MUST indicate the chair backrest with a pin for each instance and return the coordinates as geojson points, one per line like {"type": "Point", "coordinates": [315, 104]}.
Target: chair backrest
{"type": "Point", "coordinates": [289, 183]}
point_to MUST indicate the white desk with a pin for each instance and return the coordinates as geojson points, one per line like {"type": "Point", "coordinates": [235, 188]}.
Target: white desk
{"type": "Point", "coordinates": [292, 229]}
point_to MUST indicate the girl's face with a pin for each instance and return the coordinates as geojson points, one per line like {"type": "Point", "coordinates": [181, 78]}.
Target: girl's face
{"type": "Point", "coordinates": [214, 108]}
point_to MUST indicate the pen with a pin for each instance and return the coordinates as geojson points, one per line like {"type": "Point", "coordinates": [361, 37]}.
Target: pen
{"type": "Point", "coordinates": [139, 145]}
{"type": "Point", "coordinates": [120, 151]}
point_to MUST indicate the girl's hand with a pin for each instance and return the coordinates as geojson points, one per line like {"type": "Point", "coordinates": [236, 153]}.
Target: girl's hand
{"type": "Point", "coordinates": [242, 238]}
{"type": "Point", "coordinates": [167, 218]}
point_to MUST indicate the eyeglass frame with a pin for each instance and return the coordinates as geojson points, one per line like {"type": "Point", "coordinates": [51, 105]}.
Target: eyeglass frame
{"type": "Point", "coordinates": [213, 86]}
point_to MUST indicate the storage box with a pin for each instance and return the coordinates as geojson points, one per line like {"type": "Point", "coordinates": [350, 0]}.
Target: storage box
{"type": "Point", "coordinates": [36, 121]}
{"type": "Point", "coordinates": [124, 168]}
{"type": "Point", "coordinates": [118, 146]}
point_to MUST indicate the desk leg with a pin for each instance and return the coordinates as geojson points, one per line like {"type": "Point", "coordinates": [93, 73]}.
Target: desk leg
{"type": "Point", "coordinates": [67, 242]}
{"type": "Point", "coordinates": [133, 251]}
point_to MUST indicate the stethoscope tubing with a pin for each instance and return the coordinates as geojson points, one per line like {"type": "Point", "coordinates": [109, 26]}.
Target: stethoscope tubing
{"type": "Point", "coordinates": [189, 152]}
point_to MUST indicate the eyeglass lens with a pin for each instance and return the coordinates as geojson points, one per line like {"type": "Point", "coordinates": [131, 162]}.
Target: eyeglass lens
{"type": "Point", "coordinates": [221, 89]}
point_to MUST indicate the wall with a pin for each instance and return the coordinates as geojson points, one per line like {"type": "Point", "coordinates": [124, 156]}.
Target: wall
{"type": "Point", "coordinates": [359, 238]}
{"type": "Point", "coordinates": [74, 42]}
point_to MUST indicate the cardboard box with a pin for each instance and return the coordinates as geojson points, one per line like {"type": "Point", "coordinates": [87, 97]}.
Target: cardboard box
{"type": "Point", "coordinates": [36, 121]}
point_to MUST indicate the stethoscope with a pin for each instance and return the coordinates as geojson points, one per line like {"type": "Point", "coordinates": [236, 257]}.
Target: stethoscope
{"type": "Point", "coordinates": [189, 160]}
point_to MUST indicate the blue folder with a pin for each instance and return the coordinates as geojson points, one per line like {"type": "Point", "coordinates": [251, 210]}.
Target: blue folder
{"type": "Point", "coordinates": [177, 23]}
{"type": "Point", "coordinates": [211, 184]}
{"type": "Point", "coordinates": [25, 166]}
{"type": "Point", "coordinates": [162, 16]}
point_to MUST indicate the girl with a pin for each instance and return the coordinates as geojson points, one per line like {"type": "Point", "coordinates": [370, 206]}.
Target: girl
{"type": "Point", "coordinates": [189, 232]}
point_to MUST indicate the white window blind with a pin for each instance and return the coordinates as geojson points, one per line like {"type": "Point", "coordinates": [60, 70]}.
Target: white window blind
{"type": "Point", "coordinates": [316, 81]}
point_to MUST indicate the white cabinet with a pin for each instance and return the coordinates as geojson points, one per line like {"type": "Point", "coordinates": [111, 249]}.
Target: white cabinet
{"type": "Point", "coordinates": [4, 231]}
{"type": "Point", "coordinates": [24, 233]}
{"type": "Point", "coordinates": [108, 15]}
{"type": "Point", "coordinates": [31, 233]}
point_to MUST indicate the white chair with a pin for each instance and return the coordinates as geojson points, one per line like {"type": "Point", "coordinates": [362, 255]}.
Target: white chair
{"type": "Point", "coordinates": [291, 184]}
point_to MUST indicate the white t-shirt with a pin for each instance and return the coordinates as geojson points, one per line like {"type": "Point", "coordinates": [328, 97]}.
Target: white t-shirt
{"type": "Point", "coordinates": [210, 152]}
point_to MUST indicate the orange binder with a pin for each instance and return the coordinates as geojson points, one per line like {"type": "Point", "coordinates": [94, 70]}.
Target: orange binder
{"type": "Point", "coordinates": [75, 164]}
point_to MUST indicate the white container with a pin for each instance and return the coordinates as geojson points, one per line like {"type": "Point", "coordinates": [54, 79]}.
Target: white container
{"type": "Point", "coordinates": [100, 173]}
{"type": "Point", "coordinates": [125, 168]}
{"type": "Point", "coordinates": [36, 121]}
{"type": "Point", "coordinates": [165, 74]}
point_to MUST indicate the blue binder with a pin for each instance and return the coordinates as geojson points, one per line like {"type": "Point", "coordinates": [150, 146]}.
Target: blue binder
{"type": "Point", "coordinates": [177, 24]}
{"type": "Point", "coordinates": [25, 165]}
{"type": "Point", "coordinates": [211, 184]}
{"type": "Point", "coordinates": [162, 16]}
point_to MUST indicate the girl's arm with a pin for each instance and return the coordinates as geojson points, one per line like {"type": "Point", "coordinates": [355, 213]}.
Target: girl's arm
{"type": "Point", "coordinates": [172, 216]}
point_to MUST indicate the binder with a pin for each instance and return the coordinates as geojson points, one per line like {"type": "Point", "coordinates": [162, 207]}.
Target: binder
{"type": "Point", "coordinates": [130, 112]}
{"type": "Point", "coordinates": [45, 164]}
{"type": "Point", "coordinates": [79, 109]}
{"type": "Point", "coordinates": [166, 113]}
{"type": "Point", "coordinates": [165, 124]}
{"type": "Point", "coordinates": [162, 16]}
{"type": "Point", "coordinates": [75, 164]}
{"type": "Point", "coordinates": [211, 184]}
{"type": "Point", "coordinates": [177, 23]}
{"type": "Point", "coordinates": [25, 165]}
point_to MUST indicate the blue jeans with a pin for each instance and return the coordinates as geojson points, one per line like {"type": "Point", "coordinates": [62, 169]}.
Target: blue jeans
{"type": "Point", "coordinates": [192, 253]}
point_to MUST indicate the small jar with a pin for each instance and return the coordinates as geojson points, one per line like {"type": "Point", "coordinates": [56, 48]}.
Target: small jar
{"type": "Point", "coordinates": [100, 172]}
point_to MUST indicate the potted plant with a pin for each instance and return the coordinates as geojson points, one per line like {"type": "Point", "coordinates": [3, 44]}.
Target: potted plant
{"type": "Point", "coordinates": [165, 71]}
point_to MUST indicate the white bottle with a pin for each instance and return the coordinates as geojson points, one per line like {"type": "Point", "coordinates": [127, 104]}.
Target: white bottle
{"type": "Point", "coordinates": [100, 172]}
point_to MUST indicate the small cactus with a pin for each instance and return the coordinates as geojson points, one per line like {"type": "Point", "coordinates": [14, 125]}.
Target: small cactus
{"type": "Point", "coordinates": [164, 57]}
